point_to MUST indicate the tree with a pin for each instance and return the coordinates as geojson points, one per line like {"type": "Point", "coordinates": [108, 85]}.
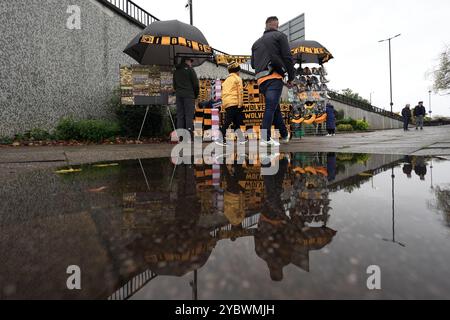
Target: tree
{"type": "Point", "coordinates": [442, 73]}
{"type": "Point", "coordinates": [353, 95]}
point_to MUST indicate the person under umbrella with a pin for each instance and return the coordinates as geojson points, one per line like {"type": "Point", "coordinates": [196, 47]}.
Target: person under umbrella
{"type": "Point", "coordinates": [163, 42]}
{"type": "Point", "coordinates": [187, 89]}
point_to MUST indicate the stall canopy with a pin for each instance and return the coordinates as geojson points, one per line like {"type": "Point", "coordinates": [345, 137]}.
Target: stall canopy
{"type": "Point", "coordinates": [164, 43]}
{"type": "Point", "coordinates": [306, 51]}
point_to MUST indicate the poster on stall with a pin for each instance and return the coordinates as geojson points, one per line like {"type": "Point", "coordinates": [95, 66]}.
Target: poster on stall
{"type": "Point", "coordinates": [146, 85]}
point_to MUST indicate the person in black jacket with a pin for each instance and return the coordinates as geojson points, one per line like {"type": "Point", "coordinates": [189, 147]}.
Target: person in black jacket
{"type": "Point", "coordinates": [187, 88]}
{"type": "Point", "coordinates": [406, 114]}
{"type": "Point", "coordinates": [419, 113]}
{"type": "Point", "coordinates": [272, 60]}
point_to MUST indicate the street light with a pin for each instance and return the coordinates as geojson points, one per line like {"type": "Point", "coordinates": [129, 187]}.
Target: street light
{"type": "Point", "coordinates": [429, 103]}
{"type": "Point", "coordinates": [390, 64]}
{"type": "Point", "coordinates": [371, 96]}
{"type": "Point", "coordinates": [393, 212]}
{"type": "Point", "coordinates": [189, 4]}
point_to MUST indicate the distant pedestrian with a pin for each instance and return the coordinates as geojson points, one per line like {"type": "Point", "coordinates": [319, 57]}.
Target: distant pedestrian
{"type": "Point", "coordinates": [272, 60]}
{"type": "Point", "coordinates": [187, 88]}
{"type": "Point", "coordinates": [419, 114]}
{"type": "Point", "coordinates": [331, 120]}
{"type": "Point", "coordinates": [232, 104]}
{"type": "Point", "coordinates": [406, 114]}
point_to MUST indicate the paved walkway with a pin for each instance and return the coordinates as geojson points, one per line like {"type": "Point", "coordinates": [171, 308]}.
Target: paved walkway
{"type": "Point", "coordinates": [431, 141]}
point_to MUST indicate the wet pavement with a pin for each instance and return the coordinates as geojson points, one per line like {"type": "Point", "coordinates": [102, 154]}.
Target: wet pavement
{"type": "Point", "coordinates": [148, 229]}
{"type": "Point", "coordinates": [431, 141]}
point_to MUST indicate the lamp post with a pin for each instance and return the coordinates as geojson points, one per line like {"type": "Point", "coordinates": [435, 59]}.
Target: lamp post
{"type": "Point", "coordinates": [393, 212]}
{"type": "Point", "coordinates": [189, 4]}
{"type": "Point", "coordinates": [371, 97]}
{"type": "Point", "coordinates": [390, 65]}
{"type": "Point", "coordinates": [429, 102]}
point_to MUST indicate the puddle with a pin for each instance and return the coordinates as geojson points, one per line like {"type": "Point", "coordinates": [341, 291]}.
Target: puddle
{"type": "Point", "coordinates": [148, 229]}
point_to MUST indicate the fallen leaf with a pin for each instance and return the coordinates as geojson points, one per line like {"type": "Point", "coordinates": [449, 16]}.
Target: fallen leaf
{"type": "Point", "coordinates": [98, 190]}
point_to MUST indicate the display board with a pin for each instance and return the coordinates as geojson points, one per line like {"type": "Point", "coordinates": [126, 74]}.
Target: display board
{"type": "Point", "coordinates": [146, 85]}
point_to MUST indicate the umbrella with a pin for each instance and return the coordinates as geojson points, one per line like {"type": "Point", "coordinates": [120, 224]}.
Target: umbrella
{"type": "Point", "coordinates": [162, 42]}
{"type": "Point", "coordinates": [305, 51]}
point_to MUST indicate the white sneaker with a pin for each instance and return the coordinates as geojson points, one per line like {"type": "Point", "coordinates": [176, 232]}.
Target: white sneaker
{"type": "Point", "coordinates": [329, 135]}
{"type": "Point", "coordinates": [287, 139]}
{"type": "Point", "coordinates": [270, 143]}
{"type": "Point", "coordinates": [243, 142]}
{"type": "Point", "coordinates": [221, 143]}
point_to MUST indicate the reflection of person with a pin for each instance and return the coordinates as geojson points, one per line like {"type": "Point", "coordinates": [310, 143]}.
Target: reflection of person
{"type": "Point", "coordinates": [273, 241]}
{"type": "Point", "coordinates": [407, 168]}
{"type": "Point", "coordinates": [234, 208]}
{"type": "Point", "coordinates": [420, 167]}
{"type": "Point", "coordinates": [406, 114]}
{"type": "Point", "coordinates": [331, 166]}
{"type": "Point", "coordinates": [272, 59]}
{"type": "Point", "coordinates": [187, 89]}
{"type": "Point", "coordinates": [187, 207]}
{"type": "Point", "coordinates": [232, 103]}
{"type": "Point", "coordinates": [419, 113]}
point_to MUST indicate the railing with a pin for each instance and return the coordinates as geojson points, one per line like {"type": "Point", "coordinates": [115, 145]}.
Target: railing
{"type": "Point", "coordinates": [362, 105]}
{"type": "Point", "coordinates": [133, 286]}
{"type": "Point", "coordinates": [131, 11]}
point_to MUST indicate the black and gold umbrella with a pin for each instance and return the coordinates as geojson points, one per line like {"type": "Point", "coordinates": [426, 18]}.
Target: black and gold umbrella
{"type": "Point", "coordinates": [164, 43]}
{"type": "Point", "coordinates": [306, 51]}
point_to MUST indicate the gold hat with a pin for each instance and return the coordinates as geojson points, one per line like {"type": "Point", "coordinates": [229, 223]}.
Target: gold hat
{"type": "Point", "coordinates": [233, 65]}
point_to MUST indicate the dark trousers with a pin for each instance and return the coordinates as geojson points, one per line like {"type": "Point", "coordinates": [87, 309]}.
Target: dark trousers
{"type": "Point", "coordinates": [185, 113]}
{"type": "Point", "coordinates": [405, 123]}
{"type": "Point", "coordinates": [272, 90]}
{"type": "Point", "coordinates": [331, 131]}
{"type": "Point", "coordinates": [235, 117]}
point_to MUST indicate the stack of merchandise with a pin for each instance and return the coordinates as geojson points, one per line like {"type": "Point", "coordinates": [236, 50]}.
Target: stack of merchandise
{"type": "Point", "coordinates": [207, 115]}
{"type": "Point", "coordinates": [309, 97]}
{"type": "Point", "coordinates": [154, 82]}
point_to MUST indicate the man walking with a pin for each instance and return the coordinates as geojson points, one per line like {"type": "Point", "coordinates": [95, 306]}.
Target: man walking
{"type": "Point", "coordinates": [406, 114]}
{"type": "Point", "coordinates": [187, 89]}
{"type": "Point", "coordinates": [272, 60]}
{"type": "Point", "coordinates": [419, 113]}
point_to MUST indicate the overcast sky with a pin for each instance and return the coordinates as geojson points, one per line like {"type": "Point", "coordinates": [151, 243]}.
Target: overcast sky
{"type": "Point", "coordinates": [350, 29]}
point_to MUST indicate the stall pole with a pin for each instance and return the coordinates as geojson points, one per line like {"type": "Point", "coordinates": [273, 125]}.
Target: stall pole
{"type": "Point", "coordinates": [143, 123]}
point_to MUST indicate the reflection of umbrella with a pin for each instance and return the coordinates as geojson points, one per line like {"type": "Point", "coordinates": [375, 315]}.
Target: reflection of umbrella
{"type": "Point", "coordinates": [163, 41]}
{"type": "Point", "coordinates": [305, 51]}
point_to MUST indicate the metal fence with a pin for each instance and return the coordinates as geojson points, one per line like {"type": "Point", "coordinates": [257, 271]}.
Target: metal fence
{"type": "Point", "coordinates": [362, 105]}
{"type": "Point", "coordinates": [131, 10]}
{"type": "Point", "coordinates": [133, 286]}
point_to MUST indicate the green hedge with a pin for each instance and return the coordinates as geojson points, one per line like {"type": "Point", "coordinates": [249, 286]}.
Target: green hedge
{"type": "Point", "coordinates": [361, 125]}
{"type": "Point", "coordinates": [358, 125]}
{"type": "Point", "coordinates": [87, 130]}
{"type": "Point", "coordinates": [345, 128]}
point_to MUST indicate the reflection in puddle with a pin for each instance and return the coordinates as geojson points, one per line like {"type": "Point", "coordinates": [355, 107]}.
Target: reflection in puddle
{"type": "Point", "coordinates": [148, 229]}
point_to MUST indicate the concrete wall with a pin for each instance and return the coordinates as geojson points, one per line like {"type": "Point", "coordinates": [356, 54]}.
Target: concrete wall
{"type": "Point", "coordinates": [51, 71]}
{"type": "Point", "coordinates": [48, 71]}
{"type": "Point", "coordinates": [376, 121]}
